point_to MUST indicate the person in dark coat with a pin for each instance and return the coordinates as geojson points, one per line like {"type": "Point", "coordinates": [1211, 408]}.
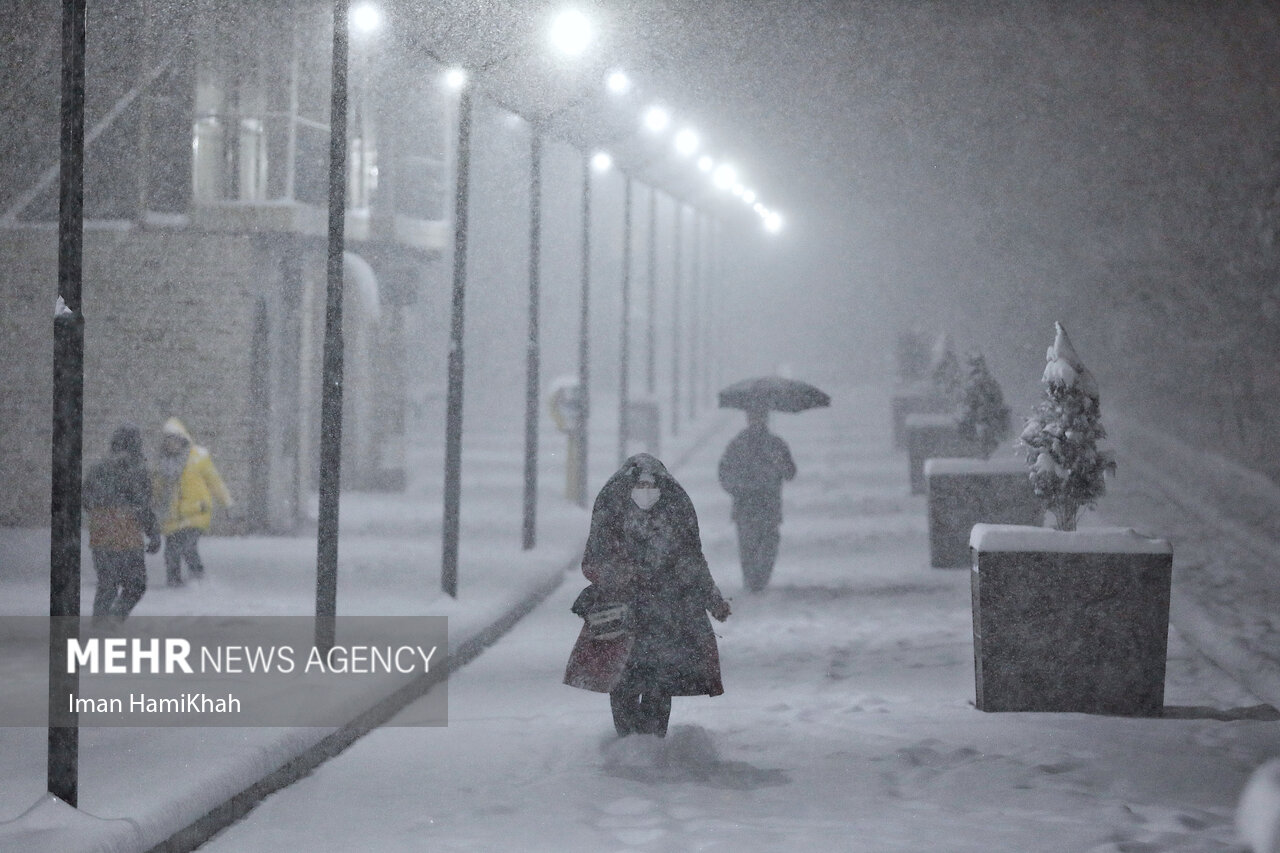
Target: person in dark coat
{"type": "Point", "coordinates": [647, 636]}
{"type": "Point", "coordinates": [752, 471]}
{"type": "Point", "coordinates": [117, 498]}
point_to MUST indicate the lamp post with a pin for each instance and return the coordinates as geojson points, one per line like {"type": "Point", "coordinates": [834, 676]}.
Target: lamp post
{"type": "Point", "coordinates": [331, 384]}
{"type": "Point", "coordinates": [532, 353]}
{"type": "Point", "coordinates": [675, 320]}
{"type": "Point", "coordinates": [695, 315]}
{"type": "Point", "coordinates": [651, 309]}
{"type": "Point", "coordinates": [68, 417]}
{"type": "Point", "coordinates": [624, 367]}
{"type": "Point", "coordinates": [584, 347]}
{"type": "Point", "coordinates": [453, 413]}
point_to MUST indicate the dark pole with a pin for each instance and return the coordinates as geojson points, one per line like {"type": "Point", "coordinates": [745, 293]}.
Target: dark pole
{"type": "Point", "coordinates": [695, 316]}
{"type": "Point", "coordinates": [68, 416]}
{"type": "Point", "coordinates": [584, 350]}
{"type": "Point", "coordinates": [624, 368]}
{"type": "Point", "coordinates": [651, 334]}
{"type": "Point", "coordinates": [453, 417]}
{"type": "Point", "coordinates": [675, 325]}
{"type": "Point", "coordinates": [331, 387]}
{"type": "Point", "coordinates": [710, 326]}
{"type": "Point", "coordinates": [532, 354]}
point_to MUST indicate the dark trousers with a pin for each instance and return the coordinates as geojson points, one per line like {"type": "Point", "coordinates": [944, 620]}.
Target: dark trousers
{"type": "Point", "coordinates": [758, 550]}
{"type": "Point", "coordinates": [122, 579]}
{"type": "Point", "coordinates": [644, 713]}
{"type": "Point", "coordinates": [178, 546]}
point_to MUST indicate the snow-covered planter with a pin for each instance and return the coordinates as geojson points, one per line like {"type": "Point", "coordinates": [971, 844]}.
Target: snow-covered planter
{"type": "Point", "coordinates": [1069, 621]}
{"type": "Point", "coordinates": [937, 393]}
{"type": "Point", "coordinates": [918, 398]}
{"type": "Point", "coordinates": [965, 492]}
{"type": "Point", "coordinates": [930, 436]}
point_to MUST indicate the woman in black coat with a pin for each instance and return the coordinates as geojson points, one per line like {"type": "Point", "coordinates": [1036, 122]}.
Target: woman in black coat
{"type": "Point", "coordinates": [644, 552]}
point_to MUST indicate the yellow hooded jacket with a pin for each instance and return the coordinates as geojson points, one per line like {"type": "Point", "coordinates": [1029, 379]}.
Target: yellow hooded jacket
{"type": "Point", "coordinates": [188, 502]}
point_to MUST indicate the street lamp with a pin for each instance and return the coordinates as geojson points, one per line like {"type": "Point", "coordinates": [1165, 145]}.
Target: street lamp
{"type": "Point", "coordinates": [366, 18]}
{"type": "Point", "coordinates": [618, 82]}
{"type": "Point", "coordinates": [656, 119]}
{"type": "Point", "coordinates": [571, 32]}
{"type": "Point", "coordinates": [453, 414]}
{"type": "Point", "coordinates": [686, 142]}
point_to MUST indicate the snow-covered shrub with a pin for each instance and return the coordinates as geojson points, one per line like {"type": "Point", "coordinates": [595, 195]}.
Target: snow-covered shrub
{"type": "Point", "coordinates": [984, 417]}
{"type": "Point", "coordinates": [1062, 434]}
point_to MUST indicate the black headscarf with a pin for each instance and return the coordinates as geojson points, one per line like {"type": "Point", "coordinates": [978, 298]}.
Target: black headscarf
{"type": "Point", "coordinates": [607, 541]}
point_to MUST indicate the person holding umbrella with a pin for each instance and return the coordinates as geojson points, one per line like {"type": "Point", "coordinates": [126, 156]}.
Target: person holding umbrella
{"type": "Point", "coordinates": [755, 465]}
{"type": "Point", "coordinates": [752, 471]}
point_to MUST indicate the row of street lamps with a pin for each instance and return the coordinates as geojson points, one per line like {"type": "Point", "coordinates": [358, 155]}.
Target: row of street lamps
{"type": "Point", "coordinates": [570, 32]}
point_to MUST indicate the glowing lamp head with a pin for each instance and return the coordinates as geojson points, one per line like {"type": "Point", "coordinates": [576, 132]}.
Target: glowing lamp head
{"type": "Point", "coordinates": [455, 79]}
{"type": "Point", "coordinates": [571, 32]}
{"type": "Point", "coordinates": [686, 142]}
{"type": "Point", "coordinates": [656, 119]}
{"type": "Point", "coordinates": [601, 161]}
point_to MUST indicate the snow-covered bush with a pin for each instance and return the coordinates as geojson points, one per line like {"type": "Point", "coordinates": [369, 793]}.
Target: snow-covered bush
{"type": "Point", "coordinates": [984, 417]}
{"type": "Point", "coordinates": [1062, 434]}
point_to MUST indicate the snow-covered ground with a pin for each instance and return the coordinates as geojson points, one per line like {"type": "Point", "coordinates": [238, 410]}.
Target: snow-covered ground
{"type": "Point", "coordinates": [848, 720]}
{"type": "Point", "coordinates": [139, 785]}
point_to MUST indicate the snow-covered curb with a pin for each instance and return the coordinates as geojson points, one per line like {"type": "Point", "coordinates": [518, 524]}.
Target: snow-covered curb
{"type": "Point", "coordinates": [50, 826]}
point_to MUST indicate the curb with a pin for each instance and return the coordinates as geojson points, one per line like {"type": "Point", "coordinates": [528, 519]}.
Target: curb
{"type": "Point", "coordinates": [240, 804]}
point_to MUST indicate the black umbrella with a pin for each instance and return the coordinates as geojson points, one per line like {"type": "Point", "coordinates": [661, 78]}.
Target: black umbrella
{"type": "Point", "coordinates": [773, 393]}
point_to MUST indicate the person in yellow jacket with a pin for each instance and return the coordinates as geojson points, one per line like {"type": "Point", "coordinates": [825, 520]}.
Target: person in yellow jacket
{"type": "Point", "coordinates": [187, 486]}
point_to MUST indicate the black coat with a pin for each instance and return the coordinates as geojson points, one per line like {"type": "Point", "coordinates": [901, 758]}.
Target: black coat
{"type": "Point", "coordinates": [752, 470]}
{"type": "Point", "coordinates": [652, 561]}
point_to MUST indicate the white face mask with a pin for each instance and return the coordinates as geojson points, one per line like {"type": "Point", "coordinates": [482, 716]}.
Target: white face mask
{"type": "Point", "coordinates": [645, 496]}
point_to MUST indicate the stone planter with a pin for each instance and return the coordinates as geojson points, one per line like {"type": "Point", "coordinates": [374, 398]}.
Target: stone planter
{"type": "Point", "coordinates": [916, 399]}
{"type": "Point", "coordinates": [930, 436]}
{"type": "Point", "coordinates": [965, 492]}
{"type": "Point", "coordinates": [1070, 622]}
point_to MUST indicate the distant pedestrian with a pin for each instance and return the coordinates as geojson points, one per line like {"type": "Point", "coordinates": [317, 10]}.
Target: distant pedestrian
{"type": "Point", "coordinates": [752, 471]}
{"type": "Point", "coordinates": [647, 636]}
{"type": "Point", "coordinates": [187, 488]}
{"type": "Point", "coordinates": [117, 498]}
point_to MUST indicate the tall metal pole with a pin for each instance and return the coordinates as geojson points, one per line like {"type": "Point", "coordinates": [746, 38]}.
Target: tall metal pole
{"type": "Point", "coordinates": [453, 415]}
{"type": "Point", "coordinates": [675, 323]}
{"type": "Point", "coordinates": [624, 367]}
{"type": "Point", "coordinates": [532, 353]}
{"type": "Point", "coordinates": [68, 416]}
{"type": "Point", "coordinates": [710, 326]}
{"type": "Point", "coordinates": [695, 315]}
{"type": "Point", "coordinates": [584, 349]}
{"type": "Point", "coordinates": [331, 386]}
{"type": "Point", "coordinates": [651, 333]}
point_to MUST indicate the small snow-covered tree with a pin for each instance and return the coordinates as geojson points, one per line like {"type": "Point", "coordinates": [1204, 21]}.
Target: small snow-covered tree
{"type": "Point", "coordinates": [944, 369]}
{"type": "Point", "coordinates": [984, 417]}
{"type": "Point", "coordinates": [1062, 434]}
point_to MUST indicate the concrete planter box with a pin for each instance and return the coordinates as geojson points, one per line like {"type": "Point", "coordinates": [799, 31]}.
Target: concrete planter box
{"type": "Point", "coordinates": [1070, 622]}
{"type": "Point", "coordinates": [965, 492]}
{"type": "Point", "coordinates": [930, 436]}
{"type": "Point", "coordinates": [918, 399]}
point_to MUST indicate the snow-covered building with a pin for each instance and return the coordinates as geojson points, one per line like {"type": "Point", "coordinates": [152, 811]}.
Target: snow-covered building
{"type": "Point", "coordinates": [206, 182]}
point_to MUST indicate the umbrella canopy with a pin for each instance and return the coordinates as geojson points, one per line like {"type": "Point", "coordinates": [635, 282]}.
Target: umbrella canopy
{"type": "Point", "coordinates": [773, 393]}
